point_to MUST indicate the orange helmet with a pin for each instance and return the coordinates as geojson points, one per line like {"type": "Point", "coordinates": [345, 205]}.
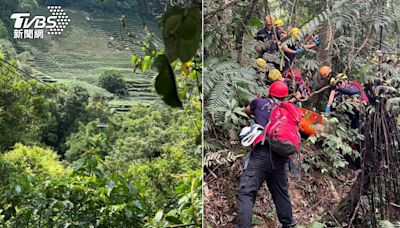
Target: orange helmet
{"type": "Point", "coordinates": [325, 71]}
{"type": "Point", "coordinates": [279, 89]}
{"type": "Point", "coordinates": [269, 20]}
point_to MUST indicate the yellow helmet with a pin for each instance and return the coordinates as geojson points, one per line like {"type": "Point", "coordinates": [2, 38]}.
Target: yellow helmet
{"type": "Point", "coordinates": [341, 76]}
{"type": "Point", "coordinates": [262, 63]}
{"type": "Point", "coordinates": [275, 75]}
{"type": "Point", "coordinates": [279, 23]}
{"type": "Point", "coordinates": [295, 32]}
{"type": "Point", "coordinates": [338, 78]}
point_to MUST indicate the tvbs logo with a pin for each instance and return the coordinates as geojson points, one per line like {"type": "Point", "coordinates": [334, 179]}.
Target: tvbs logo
{"type": "Point", "coordinates": [38, 22]}
{"type": "Point", "coordinates": [27, 28]}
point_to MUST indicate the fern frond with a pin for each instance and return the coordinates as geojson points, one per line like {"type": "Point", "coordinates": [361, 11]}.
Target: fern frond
{"type": "Point", "coordinates": [224, 81]}
{"type": "Point", "coordinates": [375, 80]}
{"type": "Point", "coordinates": [393, 104]}
{"type": "Point", "coordinates": [385, 90]}
{"type": "Point", "coordinates": [214, 73]}
{"type": "Point", "coordinates": [209, 146]}
{"type": "Point", "coordinates": [310, 64]}
{"type": "Point", "coordinates": [221, 157]}
{"type": "Point", "coordinates": [393, 82]}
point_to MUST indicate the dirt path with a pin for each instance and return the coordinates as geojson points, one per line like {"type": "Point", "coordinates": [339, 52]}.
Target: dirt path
{"type": "Point", "coordinates": [312, 198]}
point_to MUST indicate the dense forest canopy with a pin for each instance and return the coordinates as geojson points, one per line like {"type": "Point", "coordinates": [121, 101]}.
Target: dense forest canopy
{"type": "Point", "coordinates": [357, 38]}
{"type": "Point", "coordinates": [86, 140]}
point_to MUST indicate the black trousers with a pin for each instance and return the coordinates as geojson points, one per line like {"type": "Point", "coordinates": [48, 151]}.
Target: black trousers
{"type": "Point", "coordinates": [355, 119]}
{"type": "Point", "coordinates": [264, 165]}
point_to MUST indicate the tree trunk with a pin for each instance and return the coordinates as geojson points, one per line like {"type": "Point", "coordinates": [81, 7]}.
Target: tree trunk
{"type": "Point", "coordinates": [378, 183]}
{"type": "Point", "coordinates": [324, 55]}
{"type": "Point", "coordinates": [241, 32]}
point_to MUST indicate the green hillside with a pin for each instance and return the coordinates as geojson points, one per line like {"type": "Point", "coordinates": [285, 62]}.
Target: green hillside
{"type": "Point", "coordinates": [89, 46]}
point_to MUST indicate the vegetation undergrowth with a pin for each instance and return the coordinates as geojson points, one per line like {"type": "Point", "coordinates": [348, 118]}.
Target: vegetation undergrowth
{"type": "Point", "coordinates": [69, 160]}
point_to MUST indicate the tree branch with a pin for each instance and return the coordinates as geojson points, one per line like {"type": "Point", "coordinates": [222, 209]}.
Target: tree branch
{"type": "Point", "coordinates": [313, 94]}
{"type": "Point", "coordinates": [330, 33]}
{"type": "Point", "coordinates": [293, 17]}
{"type": "Point", "coordinates": [360, 48]}
{"type": "Point", "coordinates": [210, 14]}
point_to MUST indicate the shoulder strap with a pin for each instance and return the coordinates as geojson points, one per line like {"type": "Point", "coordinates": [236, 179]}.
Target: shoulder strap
{"type": "Point", "coordinates": [272, 102]}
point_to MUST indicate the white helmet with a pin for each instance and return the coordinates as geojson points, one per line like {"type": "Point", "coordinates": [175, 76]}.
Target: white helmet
{"type": "Point", "coordinates": [249, 134]}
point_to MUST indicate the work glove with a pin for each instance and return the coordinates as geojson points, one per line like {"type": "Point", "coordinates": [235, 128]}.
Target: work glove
{"type": "Point", "coordinates": [299, 51]}
{"type": "Point", "coordinates": [317, 41]}
{"type": "Point", "coordinates": [327, 109]}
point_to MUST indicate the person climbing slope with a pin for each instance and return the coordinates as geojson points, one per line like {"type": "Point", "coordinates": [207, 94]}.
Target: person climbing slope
{"type": "Point", "coordinates": [280, 29]}
{"type": "Point", "coordinates": [266, 163]}
{"type": "Point", "coordinates": [266, 35]}
{"type": "Point", "coordinates": [275, 75]}
{"type": "Point", "coordinates": [326, 73]}
{"type": "Point", "coordinates": [292, 49]}
{"type": "Point", "coordinates": [340, 84]}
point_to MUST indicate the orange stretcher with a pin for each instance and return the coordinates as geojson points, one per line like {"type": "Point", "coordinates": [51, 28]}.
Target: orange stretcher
{"type": "Point", "coordinates": [310, 123]}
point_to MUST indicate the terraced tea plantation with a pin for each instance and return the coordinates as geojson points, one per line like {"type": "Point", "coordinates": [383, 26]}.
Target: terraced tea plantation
{"type": "Point", "coordinates": [89, 46]}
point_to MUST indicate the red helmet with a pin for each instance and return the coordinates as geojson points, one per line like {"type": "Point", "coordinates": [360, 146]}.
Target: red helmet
{"type": "Point", "coordinates": [279, 89]}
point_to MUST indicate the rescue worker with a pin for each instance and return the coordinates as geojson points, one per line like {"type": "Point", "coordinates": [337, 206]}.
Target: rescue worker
{"type": "Point", "coordinates": [302, 89]}
{"type": "Point", "coordinates": [266, 35]}
{"type": "Point", "coordinates": [261, 66]}
{"type": "Point", "coordinates": [293, 49]}
{"type": "Point", "coordinates": [280, 29]}
{"type": "Point", "coordinates": [326, 72]}
{"type": "Point", "coordinates": [290, 50]}
{"type": "Point", "coordinates": [341, 85]}
{"type": "Point", "coordinates": [264, 165]}
{"type": "Point", "coordinates": [275, 75]}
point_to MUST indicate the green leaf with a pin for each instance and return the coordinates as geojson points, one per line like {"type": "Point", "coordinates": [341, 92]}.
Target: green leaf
{"type": "Point", "coordinates": [182, 32]}
{"type": "Point", "coordinates": [78, 164]}
{"type": "Point", "coordinates": [158, 216]}
{"type": "Point", "coordinates": [98, 173]}
{"type": "Point", "coordinates": [194, 74]}
{"type": "Point", "coordinates": [235, 120]}
{"type": "Point", "coordinates": [183, 200]}
{"type": "Point", "coordinates": [239, 111]}
{"type": "Point", "coordinates": [316, 224]}
{"type": "Point", "coordinates": [165, 82]}
{"type": "Point", "coordinates": [334, 120]}
{"type": "Point", "coordinates": [135, 60]}
{"type": "Point", "coordinates": [146, 64]}
{"type": "Point", "coordinates": [173, 220]}
{"type": "Point", "coordinates": [110, 186]}
{"type": "Point", "coordinates": [227, 114]}
{"type": "Point", "coordinates": [18, 188]}
{"type": "Point", "coordinates": [312, 139]}
{"type": "Point", "coordinates": [254, 21]}
{"type": "Point", "coordinates": [341, 128]}
{"type": "Point", "coordinates": [221, 109]}
{"type": "Point", "coordinates": [385, 224]}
